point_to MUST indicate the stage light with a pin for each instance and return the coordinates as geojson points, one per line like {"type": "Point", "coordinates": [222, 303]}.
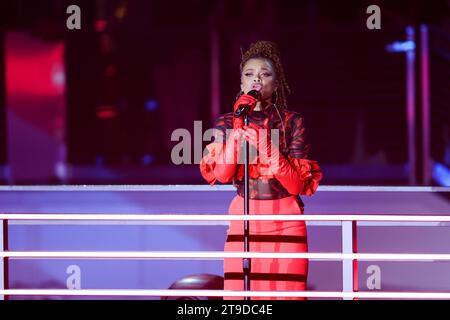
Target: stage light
{"type": "Point", "coordinates": [121, 11]}
{"type": "Point", "coordinates": [100, 25]}
{"type": "Point", "coordinates": [151, 105]}
{"type": "Point", "coordinates": [441, 174]}
{"type": "Point", "coordinates": [106, 112]}
{"type": "Point", "coordinates": [147, 159]}
{"type": "Point", "coordinates": [401, 46]}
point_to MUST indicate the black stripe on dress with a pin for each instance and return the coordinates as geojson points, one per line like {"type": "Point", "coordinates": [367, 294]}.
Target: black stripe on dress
{"type": "Point", "coordinates": [266, 276]}
{"type": "Point", "coordinates": [267, 238]}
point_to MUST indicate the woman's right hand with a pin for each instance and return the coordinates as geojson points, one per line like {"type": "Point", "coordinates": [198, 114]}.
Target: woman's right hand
{"type": "Point", "coordinates": [244, 99]}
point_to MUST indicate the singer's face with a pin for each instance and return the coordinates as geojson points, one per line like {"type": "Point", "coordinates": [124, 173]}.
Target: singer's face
{"type": "Point", "coordinates": [259, 71]}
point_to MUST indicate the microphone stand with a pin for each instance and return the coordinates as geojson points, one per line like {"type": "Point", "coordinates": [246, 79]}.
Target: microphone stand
{"type": "Point", "coordinates": [246, 261]}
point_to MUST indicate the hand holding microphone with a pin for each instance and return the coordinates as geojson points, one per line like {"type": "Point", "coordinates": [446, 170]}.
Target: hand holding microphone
{"type": "Point", "coordinates": [245, 104]}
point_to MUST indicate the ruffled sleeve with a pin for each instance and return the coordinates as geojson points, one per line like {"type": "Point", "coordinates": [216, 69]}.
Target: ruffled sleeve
{"type": "Point", "coordinates": [310, 173]}
{"type": "Point", "coordinates": [213, 149]}
{"type": "Point", "coordinates": [208, 162]}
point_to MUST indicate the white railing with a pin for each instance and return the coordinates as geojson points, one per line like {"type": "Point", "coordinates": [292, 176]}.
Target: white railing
{"type": "Point", "coordinates": [348, 255]}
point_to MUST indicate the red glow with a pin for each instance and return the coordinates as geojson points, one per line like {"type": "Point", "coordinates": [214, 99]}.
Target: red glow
{"type": "Point", "coordinates": [33, 69]}
{"type": "Point", "coordinates": [100, 25]}
{"type": "Point", "coordinates": [106, 112]}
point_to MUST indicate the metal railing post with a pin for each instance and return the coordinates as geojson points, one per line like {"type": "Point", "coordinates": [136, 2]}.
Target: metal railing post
{"type": "Point", "coordinates": [4, 261]}
{"type": "Point", "coordinates": [355, 261]}
{"type": "Point", "coordinates": [347, 264]}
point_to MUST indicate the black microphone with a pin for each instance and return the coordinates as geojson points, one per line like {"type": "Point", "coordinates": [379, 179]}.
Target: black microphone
{"type": "Point", "coordinates": [244, 109]}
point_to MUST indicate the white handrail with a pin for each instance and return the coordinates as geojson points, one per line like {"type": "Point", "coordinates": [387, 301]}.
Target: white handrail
{"type": "Point", "coordinates": [221, 293]}
{"type": "Point", "coordinates": [31, 217]}
{"type": "Point", "coordinates": [218, 255]}
{"type": "Point", "coordinates": [221, 217]}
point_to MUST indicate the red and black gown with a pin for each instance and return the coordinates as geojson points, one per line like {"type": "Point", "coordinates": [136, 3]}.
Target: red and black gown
{"type": "Point", "coordinates": [268, 196]}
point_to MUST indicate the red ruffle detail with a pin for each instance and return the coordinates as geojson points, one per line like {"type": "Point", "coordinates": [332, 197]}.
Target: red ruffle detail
{"type": "Point", "coordinates": [311, 173]}
{"type": "Point", "coordinates": [208, 162]}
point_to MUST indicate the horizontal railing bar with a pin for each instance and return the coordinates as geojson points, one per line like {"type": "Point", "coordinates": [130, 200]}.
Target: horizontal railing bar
{"type": "Point", "coordinates": [218, 255]}
{"type": "Point", "coordinates": [51, 188]}
{"type": "Point", "coordinates": [223, 217]}
{"type": "Point", "coordinates": [221, 293]}
{"type": "Point", "coordinates": [213, 223]}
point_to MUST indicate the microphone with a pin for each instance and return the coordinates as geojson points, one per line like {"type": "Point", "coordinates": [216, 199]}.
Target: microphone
{"type": "Point", "coordinates": [244, 109]}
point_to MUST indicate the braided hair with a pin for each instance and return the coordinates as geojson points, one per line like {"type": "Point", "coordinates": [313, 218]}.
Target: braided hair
{"type": "Point", "coordinates": [269, 50]}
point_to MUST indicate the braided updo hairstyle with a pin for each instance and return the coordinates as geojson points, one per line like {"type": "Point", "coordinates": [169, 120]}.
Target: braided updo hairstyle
{"type": "Point", "coordinates": [269, 50]}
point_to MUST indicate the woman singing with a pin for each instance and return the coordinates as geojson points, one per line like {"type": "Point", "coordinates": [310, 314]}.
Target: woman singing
{"type": "Point", "coordinates": [279, 172]}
